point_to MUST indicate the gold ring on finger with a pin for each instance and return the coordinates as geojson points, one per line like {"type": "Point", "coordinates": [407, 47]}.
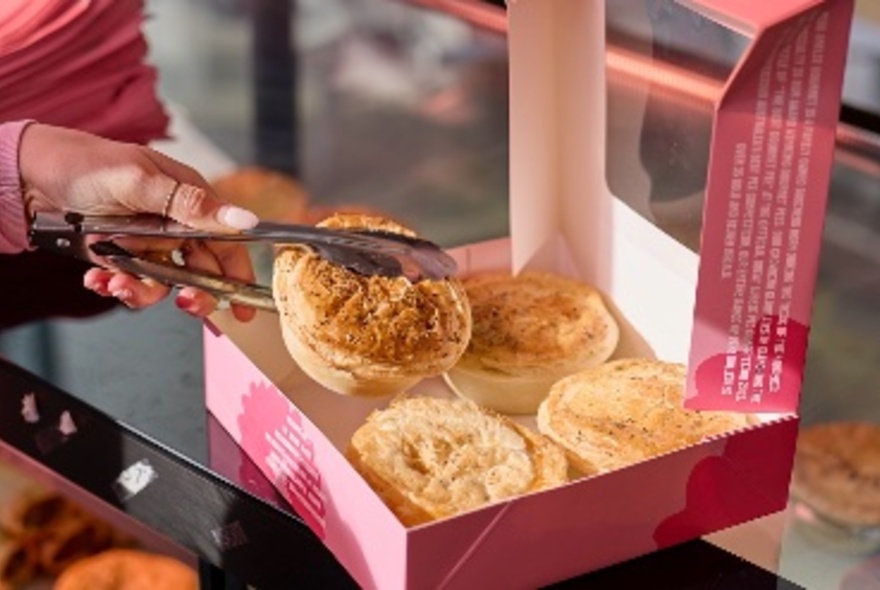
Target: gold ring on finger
{"type": "Point", "coordinates": [169, 198]}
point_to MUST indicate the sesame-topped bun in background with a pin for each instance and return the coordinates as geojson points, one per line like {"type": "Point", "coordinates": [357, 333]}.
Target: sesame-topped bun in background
{"type": "Point", "coordinates": [430, 458]}
{"type": "Point", "coordinates": [529, 331]}
{"type": "Point", "coordinates": [626, 411]}
{"type": "Point", "coordinates": [270, 194]}
{"type": "Point", "coordinates": [367, 335]}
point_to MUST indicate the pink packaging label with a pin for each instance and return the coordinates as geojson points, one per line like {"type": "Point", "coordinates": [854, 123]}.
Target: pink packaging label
{"type": "Point", "coordinates": [772, 152]}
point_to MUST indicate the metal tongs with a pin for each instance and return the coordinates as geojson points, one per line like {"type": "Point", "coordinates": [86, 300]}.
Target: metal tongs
{"type": "Point", "coordinates": [366, 252]}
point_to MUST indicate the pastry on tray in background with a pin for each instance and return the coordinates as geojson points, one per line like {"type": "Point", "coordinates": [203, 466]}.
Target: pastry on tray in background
{"type": "Point", "coordinates": [31, 510]}
{"type": "Point", "coordinates": [42, 533]}
{"type": "Point", "coordinates": [270, 194]}
{"type": "Point", "coordinates": [367, 335]}
{"type": "Point", "coordinates": [837, 473]}
{"type": "Point", "coordinates": [430, 458]}
{"type": "Point", "coordinates": [72, 537]}
{"type": "Point", "coordinates": [529, 331]}
{"type": "Point", "coordinates": [125, 569]}
{"type": "Point", "coordinates": [18, 562]}
{"type": "Point", "coordinates": [626, 411]}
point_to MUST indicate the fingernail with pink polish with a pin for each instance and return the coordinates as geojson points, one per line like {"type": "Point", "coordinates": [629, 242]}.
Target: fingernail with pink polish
{"type": "Point", "coordinates": [236, 217]}
{"type": "Point", "coordinates": [190, 306]}
{"type": "Point", "coordinates": [95, 286]}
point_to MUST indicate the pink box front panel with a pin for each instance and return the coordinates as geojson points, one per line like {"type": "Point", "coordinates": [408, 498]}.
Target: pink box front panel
{"type": "Point", "coordinates": [528, 541]}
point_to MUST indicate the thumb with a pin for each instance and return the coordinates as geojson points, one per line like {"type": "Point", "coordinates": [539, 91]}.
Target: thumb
{"type": "Point", "coordinates": [188, 198]}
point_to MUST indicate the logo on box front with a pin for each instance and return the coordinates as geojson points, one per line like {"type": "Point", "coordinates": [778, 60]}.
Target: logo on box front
{"type": "Point", "coordinates": [277, 434]}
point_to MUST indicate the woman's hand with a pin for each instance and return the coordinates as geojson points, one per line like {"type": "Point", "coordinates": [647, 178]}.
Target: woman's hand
{"type": "Point", "coordinates": [67, 170]}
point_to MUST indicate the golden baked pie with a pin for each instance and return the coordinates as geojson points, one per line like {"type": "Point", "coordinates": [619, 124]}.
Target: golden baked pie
{"type": "Point", "coordinates": [367, 335]}
{"type": "Point", "coordinates": [529, 331]}
{"type": "Point", "coordinates": [626, 411]}
{"type": "Point", "coordinates": [430, 458]}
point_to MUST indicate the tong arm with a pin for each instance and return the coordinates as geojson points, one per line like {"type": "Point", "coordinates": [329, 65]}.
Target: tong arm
{"type": "Point", "coordinates": [223, 288]}
{"type": "Point", "coordinates": [365, 252]}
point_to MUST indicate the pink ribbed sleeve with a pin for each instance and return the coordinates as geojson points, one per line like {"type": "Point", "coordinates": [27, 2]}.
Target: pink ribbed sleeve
{"type": "Point", "coordinates": [13, 224]}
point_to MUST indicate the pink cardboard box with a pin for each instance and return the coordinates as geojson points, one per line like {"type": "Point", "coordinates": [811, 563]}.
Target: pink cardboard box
{"type": "Point", "coordinates": [737, 313]}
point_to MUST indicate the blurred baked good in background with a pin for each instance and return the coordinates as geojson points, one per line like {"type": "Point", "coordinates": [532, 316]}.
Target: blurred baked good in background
{"type": "Point", "coordinates": [126, 569]}
{"type": "Point", "coordinates": [837, 472]}
{"type": "Point", "coordinates": [42, 532]}
{"type": "Point", "coordinates": [270, 194]}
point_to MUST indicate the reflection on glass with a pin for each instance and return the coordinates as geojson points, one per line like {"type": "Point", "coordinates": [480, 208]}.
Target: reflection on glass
{"type": "Point", "coordinates": [404, 110]}
{"type": "Point", "coordinates": [666, 66]}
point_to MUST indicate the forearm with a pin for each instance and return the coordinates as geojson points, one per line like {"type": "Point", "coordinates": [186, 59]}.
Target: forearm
{"type": "Point", "coordinates": [13, 224]}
